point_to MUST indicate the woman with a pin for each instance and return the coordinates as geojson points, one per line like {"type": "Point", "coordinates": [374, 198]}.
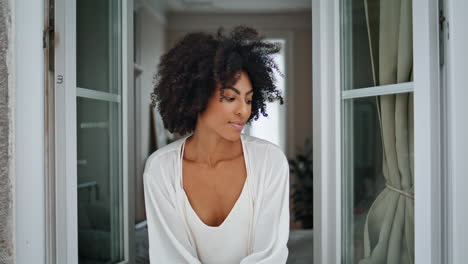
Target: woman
{"type": "Point", "coordinates": [217, 195]}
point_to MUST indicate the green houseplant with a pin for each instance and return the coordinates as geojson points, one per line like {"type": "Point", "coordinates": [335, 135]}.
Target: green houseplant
{"type": "Point", "coordinates": [302, 185]}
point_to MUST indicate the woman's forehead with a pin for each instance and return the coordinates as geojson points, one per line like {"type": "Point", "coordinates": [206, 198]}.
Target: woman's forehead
{"type": "Point", "coordinates": [242, 85]}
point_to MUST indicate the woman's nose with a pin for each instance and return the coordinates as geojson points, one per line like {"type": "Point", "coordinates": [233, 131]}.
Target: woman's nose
{"type": "Point", "coordinates": [243, 109]}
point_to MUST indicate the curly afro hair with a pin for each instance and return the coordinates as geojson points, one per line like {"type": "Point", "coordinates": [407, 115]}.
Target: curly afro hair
{"type": "Point", "coordinates": [188, 73]}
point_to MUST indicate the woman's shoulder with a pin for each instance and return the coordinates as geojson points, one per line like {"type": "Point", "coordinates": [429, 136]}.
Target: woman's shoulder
{"type": "Point", "coordinates": [164, 159]}
{"type": "Point", "coordinates": [263, 148]}
{"type": "Point", "coordinates": [267, 161]}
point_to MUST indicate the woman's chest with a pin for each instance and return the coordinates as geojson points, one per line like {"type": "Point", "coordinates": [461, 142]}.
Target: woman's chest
{"type": "Point", "coordinates": [213, 193]}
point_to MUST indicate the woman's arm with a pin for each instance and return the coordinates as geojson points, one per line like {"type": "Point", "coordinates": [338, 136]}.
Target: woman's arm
{"type": "Point", "coordinates": [168, 239]}
{"type": "Point", "coordinates": [271, 232]}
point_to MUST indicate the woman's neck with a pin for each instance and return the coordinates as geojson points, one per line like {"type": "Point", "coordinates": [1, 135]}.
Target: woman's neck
{"type": "Point", "coordinates": [208, 149]}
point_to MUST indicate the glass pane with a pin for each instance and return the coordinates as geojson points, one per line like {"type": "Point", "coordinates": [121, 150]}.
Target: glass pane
{"type": "Point", "coordinates": [99, 133]}
{"type": "Point", "coordinates": [378, 189]}
{"type": "Point", "coordinates": [98, 36]}
{"type": "Point", "coordinates": [376, 42]}
{"type": "Point", "coordinates": [99, 181]}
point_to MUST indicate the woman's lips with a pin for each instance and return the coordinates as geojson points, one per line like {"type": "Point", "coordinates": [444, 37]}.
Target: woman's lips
{"type": "Point", "coordinates": [237, 126]}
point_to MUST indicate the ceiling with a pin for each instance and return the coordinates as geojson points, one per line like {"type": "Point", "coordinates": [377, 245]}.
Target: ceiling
{"type": "Point", "coordinates": [228, 6]}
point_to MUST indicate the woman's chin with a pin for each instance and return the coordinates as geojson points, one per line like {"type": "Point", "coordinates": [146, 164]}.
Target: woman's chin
{"type": "Point", "coordinates": [233, 135]}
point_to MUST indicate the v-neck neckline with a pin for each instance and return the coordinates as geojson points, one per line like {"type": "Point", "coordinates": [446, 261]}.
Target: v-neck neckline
{"type": "Point", "coordinates": [244, 186]}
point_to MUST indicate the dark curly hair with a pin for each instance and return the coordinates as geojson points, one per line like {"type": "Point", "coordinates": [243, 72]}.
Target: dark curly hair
{"type": "Point", "coordinates": [188, 73]}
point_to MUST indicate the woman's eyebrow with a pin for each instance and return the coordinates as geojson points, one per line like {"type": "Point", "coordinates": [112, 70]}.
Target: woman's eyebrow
{"type": "Point", "coordinates": [237, 91]}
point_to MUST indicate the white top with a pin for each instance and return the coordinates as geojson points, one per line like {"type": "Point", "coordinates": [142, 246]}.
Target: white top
{"type": "Point", "coordinates": [176, 234]}
{"type": "Point", "coordinates": [210, 241]}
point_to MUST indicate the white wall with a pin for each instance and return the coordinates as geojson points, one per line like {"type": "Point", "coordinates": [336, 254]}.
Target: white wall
{"type": "Point", "coordinates": [457, 130]}
{"type": "Point", "coordinates": [29, 132]}
{"type": "Point", "coordinates": [151, 39]}
{"type": "Point", "coordinates": [295, 26]}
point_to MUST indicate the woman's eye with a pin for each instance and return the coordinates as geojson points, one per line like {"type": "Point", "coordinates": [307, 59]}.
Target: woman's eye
{"type": "Point", "coordinates": [230, 99]}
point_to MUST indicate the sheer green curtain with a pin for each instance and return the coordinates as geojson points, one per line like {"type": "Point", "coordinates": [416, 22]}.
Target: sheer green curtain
{"type": "Point", "coordinates": [389, 227]}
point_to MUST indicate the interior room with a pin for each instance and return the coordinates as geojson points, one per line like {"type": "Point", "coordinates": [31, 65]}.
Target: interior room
{"type": "Point", "coordinates": [159, 24]}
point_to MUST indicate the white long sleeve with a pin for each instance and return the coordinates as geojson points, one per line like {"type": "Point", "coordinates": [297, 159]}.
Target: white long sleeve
{"type": "Point", "coordinates": [168, 239]}
{"type": "Point", "coordinates": [271, 231]}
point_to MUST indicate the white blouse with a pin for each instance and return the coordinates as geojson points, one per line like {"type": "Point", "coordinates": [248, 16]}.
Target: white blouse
{"type": "Point", "coordinates": [210, 241]}
{"type": "Point", "coordinates": [255, 231]}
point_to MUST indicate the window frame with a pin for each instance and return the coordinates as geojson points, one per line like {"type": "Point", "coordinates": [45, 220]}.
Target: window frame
{"type": "Point", "coordinates": [288, 37]}
{"type": "Point", "coordinates": [285, 122]}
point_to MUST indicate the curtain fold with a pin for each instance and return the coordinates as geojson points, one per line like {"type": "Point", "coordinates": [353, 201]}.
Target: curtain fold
{"type": "Point", "coordinates": [389, 228]}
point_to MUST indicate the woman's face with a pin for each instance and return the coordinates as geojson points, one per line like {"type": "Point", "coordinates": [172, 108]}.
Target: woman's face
{"type": "Point", "coordinates": [228, 117]}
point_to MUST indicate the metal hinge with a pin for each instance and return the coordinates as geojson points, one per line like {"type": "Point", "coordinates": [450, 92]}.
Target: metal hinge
{"type": "Point", "coordinates": [443, 31]}
{"type": "Point", "coordinates": [442, 19]}
{"type": "Point", "coordinates": [48, 35]}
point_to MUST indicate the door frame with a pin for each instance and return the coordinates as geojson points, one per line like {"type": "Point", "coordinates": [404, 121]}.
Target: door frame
{"type": "Point", "coordinates": [327, 78]}
{"type": "Point", "coordinates": [65, 148]}
{"type": "Point", "coordinates": [455, 142]}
